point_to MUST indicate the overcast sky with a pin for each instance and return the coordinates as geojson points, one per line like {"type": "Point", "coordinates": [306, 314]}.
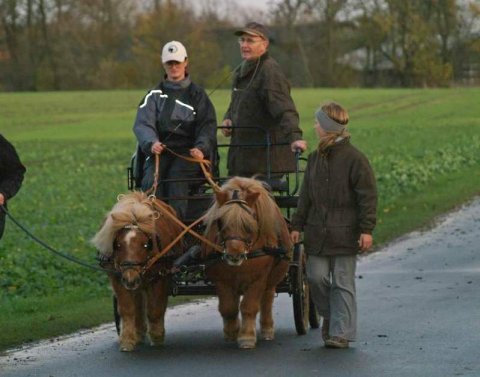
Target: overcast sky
{"type": "Point", "coordinates": [250, 9]}
{"type": "Point", "coordinates": [254, 3]}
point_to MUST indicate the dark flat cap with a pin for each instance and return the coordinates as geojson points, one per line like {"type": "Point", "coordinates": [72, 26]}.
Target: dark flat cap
{"type": "Point", "coordinates": [255, 29]}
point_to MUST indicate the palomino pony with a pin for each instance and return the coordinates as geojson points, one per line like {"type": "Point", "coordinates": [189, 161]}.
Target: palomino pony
{"type": "Point", "coordinates": [254, 237]}
{"type": "Point", "coordinates": [134, 232]}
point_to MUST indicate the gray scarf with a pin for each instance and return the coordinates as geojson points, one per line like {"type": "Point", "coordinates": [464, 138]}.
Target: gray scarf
{"type": "Point", "coordinates": [182, 84]}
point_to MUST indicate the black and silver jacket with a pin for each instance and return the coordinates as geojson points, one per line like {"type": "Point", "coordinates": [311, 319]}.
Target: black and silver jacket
{"type": "Point", "coordinates": [180, 115]}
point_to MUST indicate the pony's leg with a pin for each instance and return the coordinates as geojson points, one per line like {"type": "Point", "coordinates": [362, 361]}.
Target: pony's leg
{"type": "Point", "coordinates": [249, 307]}
{"type": "Point", "coordinates": [277, 274]}
{"type": "Point", "coordinates": [127, 309]}
{"type": "Point", "coordinates": [228, 307]}
{"type": "Point", "coordinates": [140, 321]}
{"type": "Point", "coordinates": [157, 299]}
{"type": "Point", "coordinates": [266, 316]}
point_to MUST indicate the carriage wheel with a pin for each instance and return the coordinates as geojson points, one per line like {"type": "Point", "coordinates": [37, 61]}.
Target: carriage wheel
{"type": "Point", "coordinates": [300, 292]}
{"type": "Point", "coordinates": [116, 315]}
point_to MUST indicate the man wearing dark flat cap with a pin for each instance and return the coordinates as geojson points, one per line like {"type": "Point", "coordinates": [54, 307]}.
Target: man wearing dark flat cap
{"type": "Point", "coordinates": [261, 99]}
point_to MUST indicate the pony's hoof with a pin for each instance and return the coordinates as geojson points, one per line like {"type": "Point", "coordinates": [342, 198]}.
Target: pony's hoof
{"type": "Point", "coordinates": [246, 344]}
{"type": "Point", "coordinates": [156, 341]}
{"type": "Point", "coordinates": [230, 336]}
{"type": "Point", "coordinates": [267, 334]}
{"type": "Point", "coordinates": [127, 347]}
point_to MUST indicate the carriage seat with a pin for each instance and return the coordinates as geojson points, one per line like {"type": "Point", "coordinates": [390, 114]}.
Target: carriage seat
{"type": "Point", "coordinates": [278, 184]}
{"type": "Point", "coordinates": [275, 184]}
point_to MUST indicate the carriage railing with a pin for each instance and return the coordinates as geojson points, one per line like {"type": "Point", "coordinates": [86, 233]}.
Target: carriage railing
{"type": "Point", "coordinates": [268, 145]}
{"type": "Point", "coordinates": [284, 186]}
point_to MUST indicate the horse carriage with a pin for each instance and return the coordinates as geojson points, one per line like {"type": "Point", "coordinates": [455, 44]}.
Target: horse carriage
{"type": "Point", "coordinates": [235, 237]}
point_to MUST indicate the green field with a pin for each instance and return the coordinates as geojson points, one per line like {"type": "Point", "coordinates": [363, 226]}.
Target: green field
{"type": "Point", "coordinates": [424, 146]}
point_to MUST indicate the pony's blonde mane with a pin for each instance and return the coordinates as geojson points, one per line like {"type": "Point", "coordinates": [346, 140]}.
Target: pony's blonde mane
{"type": "Point", "coordinates": [132, 209]}
{"type": "Point", "coordinates": [269, 220]}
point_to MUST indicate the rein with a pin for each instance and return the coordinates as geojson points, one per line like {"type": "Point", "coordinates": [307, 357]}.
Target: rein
{"type": "Point", "coordinates": [205, 165]}
{"type": "Point", "coordinates": [52, 250]}
{"type": "Point", "coordinates": [186, 229]}
{"type": "Point", "coordinates": [206, 168]}
{"type": "Point", "coordinates": [152, 190]}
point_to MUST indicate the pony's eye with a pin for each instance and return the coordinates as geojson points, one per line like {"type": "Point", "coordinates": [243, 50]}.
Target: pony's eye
{"type": "Point", "coordinates": [148, 245]}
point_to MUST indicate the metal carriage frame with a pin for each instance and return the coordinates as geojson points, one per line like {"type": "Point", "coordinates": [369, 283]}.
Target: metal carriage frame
{"type": "Point", "coordinates": [192, 281]}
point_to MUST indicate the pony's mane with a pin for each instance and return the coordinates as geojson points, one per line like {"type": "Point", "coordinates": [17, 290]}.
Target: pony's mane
{"type": "Point", "coordinates": [132, 209]}
{"type": "Point", "coordinates": [269, 217]}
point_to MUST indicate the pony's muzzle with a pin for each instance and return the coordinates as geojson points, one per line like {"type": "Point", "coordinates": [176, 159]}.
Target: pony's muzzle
{"type": "Point", "coordinates": [131, 281]}
{"type": "Point", "coordinates": [234, 259]}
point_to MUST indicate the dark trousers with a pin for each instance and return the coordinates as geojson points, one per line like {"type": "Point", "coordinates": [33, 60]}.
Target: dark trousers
{"type": "Point", "coordinates": [2, 223]}
{"type": "Point", "coordinates": [3, 218]}
{"type": "Point", "coordinates": [175, 169]}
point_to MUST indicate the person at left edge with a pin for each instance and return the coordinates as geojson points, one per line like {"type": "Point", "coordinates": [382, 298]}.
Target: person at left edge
{"type": "Point", "coordinates": [11, 176]}
{"type": "Point", "coordinates": [177, 114]}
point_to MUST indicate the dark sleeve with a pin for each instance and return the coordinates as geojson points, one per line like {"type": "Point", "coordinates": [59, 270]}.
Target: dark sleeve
{"type": "Point", "coordinates": [304, 203]}
{"type": "Point", "coordinates": [228, 114]}
{"type": "Point", "coordinates": [280, 104]}
{"type": "Point", "coordinates": [364, 185]}
{"type": "Point", "coordinates": [11, 169]}
{"type": "Point", "coordinates": [206, 124]}
{"type": "Point", "coordinates": [144, 127]}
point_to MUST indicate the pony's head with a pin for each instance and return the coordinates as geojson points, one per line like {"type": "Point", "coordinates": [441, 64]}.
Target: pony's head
{"type": "Point", "coordinates": [244, 217]}
{"type": "Point", "coordinates": [131, 234]}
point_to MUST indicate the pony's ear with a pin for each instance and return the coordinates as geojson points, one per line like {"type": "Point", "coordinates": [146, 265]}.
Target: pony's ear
{"type": "Point", "coordinates": [221, 197]}
{"type": "Point", "coordinates": [251, 198]}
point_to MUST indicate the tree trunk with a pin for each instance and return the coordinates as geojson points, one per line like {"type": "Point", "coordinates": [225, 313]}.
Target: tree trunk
{"type": "Point", "coordinates": [48, 46]}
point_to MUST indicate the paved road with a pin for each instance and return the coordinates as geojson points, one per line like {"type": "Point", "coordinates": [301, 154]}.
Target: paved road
{"type": "Point", "coordinates": [419, 315]}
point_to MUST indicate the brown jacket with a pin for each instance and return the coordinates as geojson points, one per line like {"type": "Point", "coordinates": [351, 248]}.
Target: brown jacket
{"type": "Point", "coordinates": [338, 201]}
{"type": "Point", "coordinates": [261, 98]}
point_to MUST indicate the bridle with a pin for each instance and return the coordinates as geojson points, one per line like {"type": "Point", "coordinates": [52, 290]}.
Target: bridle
{"type": "Point", "coordinates": [237, 259]}
{"type": "Point", "coordinates": [151, 246]}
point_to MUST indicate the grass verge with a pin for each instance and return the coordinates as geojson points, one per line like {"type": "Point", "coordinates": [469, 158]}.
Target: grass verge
{"type": "Point", "coordinates": [420, 209]}
{"type": "Point", "coordinates": [24, 320]}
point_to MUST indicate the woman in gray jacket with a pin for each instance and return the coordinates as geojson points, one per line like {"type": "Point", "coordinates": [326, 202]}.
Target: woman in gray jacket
{"type": "Point", "coordinates": [337, 213]}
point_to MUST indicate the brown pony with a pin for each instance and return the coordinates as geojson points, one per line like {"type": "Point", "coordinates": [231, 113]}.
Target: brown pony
{"type": "Point", "coordinates": [134, 231]}
{"type": "Point", "coordinates": [251, 229]}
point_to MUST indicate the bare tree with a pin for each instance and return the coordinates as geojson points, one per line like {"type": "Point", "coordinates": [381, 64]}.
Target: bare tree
{"type": "Point", "coordinates": [9, 21]}
{"type": "Point", "coordinates": [286, 15]}
{"type": "Point", "coordinates": [71, 44]}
